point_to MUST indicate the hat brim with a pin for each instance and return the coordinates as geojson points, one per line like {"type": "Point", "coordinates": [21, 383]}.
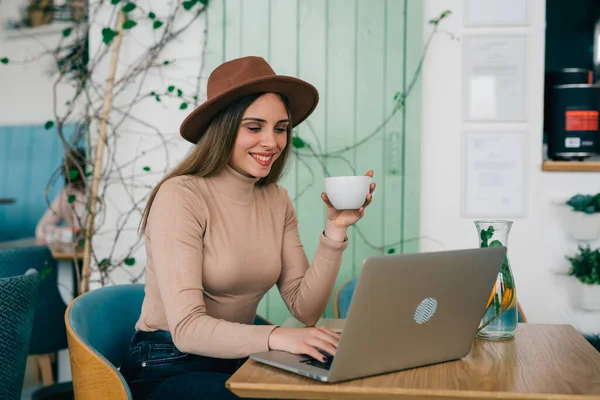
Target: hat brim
{"type": "Point", "coordinates": [302, 99]}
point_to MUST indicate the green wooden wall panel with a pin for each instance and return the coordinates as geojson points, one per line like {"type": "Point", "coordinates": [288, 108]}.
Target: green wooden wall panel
{"type": "Point", "coordinates": [390, 179]}
{"type": "Point", "coordinates": [339, 100]}
{"type": "Point", "coordinates": [356, 54]}
{"type": "Point", "coordinates": [370, 51]}
{"type": "Point", "coordinates": [412, 129]}
{"type": "Point", "coordinates": [283, 57]}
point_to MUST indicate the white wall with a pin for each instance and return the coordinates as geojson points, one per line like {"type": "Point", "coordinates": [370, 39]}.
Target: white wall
{"type": "Point", "coordinates": [139, 138]}
{"type": "Point", "coordinates": [537, 245]}
{"type": "Point", "coordinates": [26, 84]}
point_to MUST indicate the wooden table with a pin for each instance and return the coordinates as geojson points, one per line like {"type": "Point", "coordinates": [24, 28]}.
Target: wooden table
{"type": "Point", "coordinates": [541, 362]}
{"type": "Point", "coordinates": [64, 252]}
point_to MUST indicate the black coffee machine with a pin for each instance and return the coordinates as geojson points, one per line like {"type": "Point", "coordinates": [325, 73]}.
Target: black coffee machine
{"type": "Point", "coordinates": [572, 114]}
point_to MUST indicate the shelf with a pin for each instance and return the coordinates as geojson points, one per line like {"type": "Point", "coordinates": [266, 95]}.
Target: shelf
{"type": "Point", "coordinates": [572, 166]}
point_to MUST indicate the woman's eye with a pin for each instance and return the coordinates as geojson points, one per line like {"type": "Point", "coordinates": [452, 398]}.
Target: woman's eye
{"type": "Point", "coordinates": [254, 128]}
{"type": "Point", "coordinates": [280, 130]}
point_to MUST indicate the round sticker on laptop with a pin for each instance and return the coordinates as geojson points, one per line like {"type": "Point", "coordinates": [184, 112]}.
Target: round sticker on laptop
{"type": "Point", "coordinates": [425, 310]}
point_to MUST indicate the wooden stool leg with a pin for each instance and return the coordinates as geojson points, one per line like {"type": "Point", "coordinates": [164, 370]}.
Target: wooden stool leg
{"type": "Point", "coordinates": [45, 364]}
{"type": "Point", "coordinates": [36, 369]}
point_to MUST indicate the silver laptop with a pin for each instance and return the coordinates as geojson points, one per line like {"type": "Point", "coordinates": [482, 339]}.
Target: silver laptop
{"type": "Point", "coordinates": [408, 310]}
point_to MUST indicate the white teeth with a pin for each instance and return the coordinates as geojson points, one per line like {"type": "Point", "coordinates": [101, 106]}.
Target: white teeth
{"type": "Point", "coordinates": [262, 158]}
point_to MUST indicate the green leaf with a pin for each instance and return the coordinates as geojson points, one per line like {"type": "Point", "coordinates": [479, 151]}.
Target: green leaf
{"type": "Point", "coordinates": [88, 173]}
{"type": "Point", "coordinates": [204, 2]}
{"type": "Point", "coordinates": [81, 242]}
{"type": "Point", "coordinates": [196, 98]}
{"type": "Point", "coordinates": [129, 24]}
{"type": "Point", "coordinates": [495, 243]}
{"type": "Point", "coordinates": [183, 106]}
{"type": "Point", "coordinates": [71, 198]}
{"type": "Point", "coordinates": [151, 15]}
{"type": "Point", "coordinates": [157, 24]}
{"type": "Point", "coordinates": [298, 143]}
{"type": "Point", "coordinates": [179, 93]}
{"type": "Point", "coordinates": [189, 4]}
{"type": "Point", "coordinates": [48, 125]}
{"type": "Point", "coordinates": [391, 251]}
{"type": "Point", "coordinates": [146, 169]}
{"type": "Point", "coordinates": [73, 174]}
{"type": "Point", "coordinates": [67, 32]}
{"type": "Point", "coordinates": [130, 261]}
{"type": "Point", "coordinates": [165, 62]}
{"type": "Point", "coordinates": [114, 2]}
{"type": "Point", "coordinates": [153, 93]}
{"type": "Point", "coordinates": [171, 88]}
{"type": "Point", "coordinates": [108, 35]}
{"type": "Point", "coordinates": [129, 7]}
{"type": "Point", "coordinates": [104, 264]}
{"type": "Point", "coordinates": [4, 60]}
{"type": "Point", "coordinates": [157, 97]}
{"type": "Point", "coordinates": [45, 272]}
{"type": "Point", "coordinates": [445, 14]}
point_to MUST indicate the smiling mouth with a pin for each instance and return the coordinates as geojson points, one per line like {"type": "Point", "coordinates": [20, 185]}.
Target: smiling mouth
{"type": "Point", "coordinates": [262, 158]}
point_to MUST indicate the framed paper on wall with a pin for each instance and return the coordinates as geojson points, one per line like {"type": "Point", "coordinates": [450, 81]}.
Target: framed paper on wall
{"type": "Point", "coordinates": [494, 178]}
{"type": "Point", "coordinates": [496, 12]}
{"type": "Point", "coordinates": [494, 78]}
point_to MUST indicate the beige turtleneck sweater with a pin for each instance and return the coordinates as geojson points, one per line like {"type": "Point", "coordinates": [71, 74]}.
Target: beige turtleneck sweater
{"type": "Point", "coordinates": [214, 247]}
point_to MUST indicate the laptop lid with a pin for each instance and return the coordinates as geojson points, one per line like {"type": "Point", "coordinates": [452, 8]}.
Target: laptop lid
{"type": "Point", "coordinates": [384, 332]}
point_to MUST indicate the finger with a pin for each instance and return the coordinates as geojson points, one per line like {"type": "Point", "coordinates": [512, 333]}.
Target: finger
{"type": "Point", "coordinates": [313, 352]}
{"type": "Point", "coordinates": [329, 335]}
{"type": "Point", "coordinates": [323, 345]}
{"type": "Point", "coordinates": [370, 173]}
{"type": "Point", "coordinates": [368, 200]}
{"type": "Point", "coordinates": [329, 332]}
{"type": "Point", "coordinates": [372, 188]}
{"type": "Point", "coordinates": [326, 200]}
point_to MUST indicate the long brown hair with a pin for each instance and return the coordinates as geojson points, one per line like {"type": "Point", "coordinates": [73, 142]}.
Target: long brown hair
{"type": "Point", "coordinates": [214, 150]}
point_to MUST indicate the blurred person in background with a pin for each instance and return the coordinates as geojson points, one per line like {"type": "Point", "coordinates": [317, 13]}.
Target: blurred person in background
{"type": "Point", "coordinates": [67, 212]}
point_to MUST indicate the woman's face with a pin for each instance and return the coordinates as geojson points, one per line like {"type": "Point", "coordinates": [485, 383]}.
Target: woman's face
{"type": "Point", "coordinates": [262, 136]}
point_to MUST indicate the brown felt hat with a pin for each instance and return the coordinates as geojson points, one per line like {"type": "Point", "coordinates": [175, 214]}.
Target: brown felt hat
{"type": "Point", "coordinates": [241, 77]}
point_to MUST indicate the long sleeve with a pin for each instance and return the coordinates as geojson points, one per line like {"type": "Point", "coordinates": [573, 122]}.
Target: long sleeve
{"type": "Point", "coordinates": [306, 291]}
{"type": "Point", "coordinates": [52, 216]}
{"type": "Point", "coordinates": [175, 232]}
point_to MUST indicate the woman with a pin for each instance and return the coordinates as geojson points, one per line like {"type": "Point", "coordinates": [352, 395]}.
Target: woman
{"type": "Point", "coordinates": [220, 233]}
{"type": "Point", "coordinates": [67, 212]}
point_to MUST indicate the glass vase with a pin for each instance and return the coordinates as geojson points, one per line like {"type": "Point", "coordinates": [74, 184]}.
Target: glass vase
{"type": "Point", "coordinates": [501, 316]}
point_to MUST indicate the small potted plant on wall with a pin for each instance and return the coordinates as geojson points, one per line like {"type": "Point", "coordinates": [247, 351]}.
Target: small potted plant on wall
{"type": "Point", "coordinates": [580, 216]}
{"type": "Point", "coordinates": [585, 266]}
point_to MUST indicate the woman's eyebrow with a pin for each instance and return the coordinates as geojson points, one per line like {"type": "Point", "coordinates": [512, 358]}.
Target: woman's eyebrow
{"type": "Point", "coordinates": [262, 120]}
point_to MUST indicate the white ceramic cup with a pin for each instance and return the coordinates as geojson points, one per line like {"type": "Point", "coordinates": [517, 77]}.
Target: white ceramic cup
{"type": "Point", "coordinates": [347, 192]}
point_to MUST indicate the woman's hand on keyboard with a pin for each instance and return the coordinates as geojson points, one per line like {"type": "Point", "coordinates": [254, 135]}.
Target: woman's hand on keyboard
{"type": "Point", "coordinates": [305, 341]}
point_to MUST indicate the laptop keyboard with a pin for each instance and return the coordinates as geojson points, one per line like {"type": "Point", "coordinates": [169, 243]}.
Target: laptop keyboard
{"type": "Point", "coordinates": [316, 363]}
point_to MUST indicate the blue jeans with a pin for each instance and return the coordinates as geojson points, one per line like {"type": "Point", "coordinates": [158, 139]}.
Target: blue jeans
{"type": "Point", "coordinates": [155, 369]}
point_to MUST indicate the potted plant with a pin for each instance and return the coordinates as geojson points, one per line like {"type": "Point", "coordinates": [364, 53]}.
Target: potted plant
{"type": "Point", "coordinates": [585, 266]}
{"type": "Point", "coordinates": [580, 216]}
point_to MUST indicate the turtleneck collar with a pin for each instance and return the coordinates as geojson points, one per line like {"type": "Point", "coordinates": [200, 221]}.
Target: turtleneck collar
{"type": "Point", "coordinates": [234, 186]}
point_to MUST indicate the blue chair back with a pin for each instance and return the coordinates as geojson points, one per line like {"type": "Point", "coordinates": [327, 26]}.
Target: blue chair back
{"type": "Point", "coordinates": [18, 296]}
{"type": "Point", "coordinates": [49, 332]}
{"type": "Point", "coordinates": [104, 319]}
{"type": "Point", "coordinates": [344, 297]}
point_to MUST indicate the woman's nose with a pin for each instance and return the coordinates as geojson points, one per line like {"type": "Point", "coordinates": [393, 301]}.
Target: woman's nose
{"type": "Point", "coordinates": [268, 140]}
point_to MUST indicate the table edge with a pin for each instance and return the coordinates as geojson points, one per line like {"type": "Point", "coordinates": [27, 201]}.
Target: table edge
{"type": "Point", "coordinates": [255, 388]}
